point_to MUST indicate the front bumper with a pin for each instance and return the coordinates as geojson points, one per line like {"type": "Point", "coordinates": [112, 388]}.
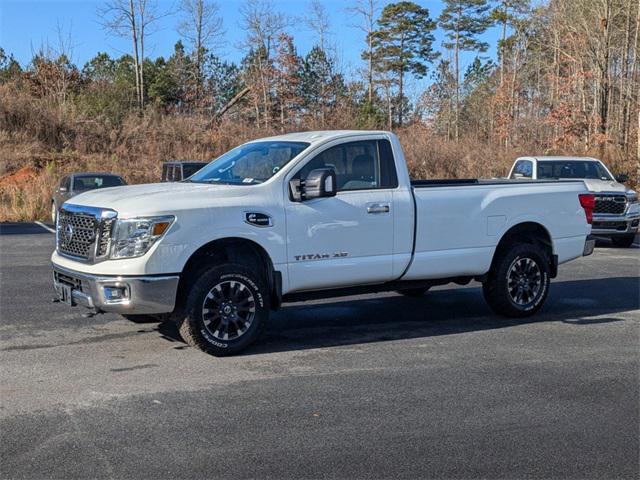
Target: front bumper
{"type": "Point", "coordinates": [138, 294]}
{"type": "Point", "coordinates": [612, 225]}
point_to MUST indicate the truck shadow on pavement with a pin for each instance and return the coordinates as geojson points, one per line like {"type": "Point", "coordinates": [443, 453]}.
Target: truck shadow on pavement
{"type": "Point", "coordinates": [353, 320]}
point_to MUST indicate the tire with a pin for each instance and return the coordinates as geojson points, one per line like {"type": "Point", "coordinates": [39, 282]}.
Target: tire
{"type": "Point", "coordinates": [413, 292]}
{"type": "Point", "coordinates": [54, 212]}
{"type": "Point", "coordinates": [142, 318]}
{"type": "Point", "coordinates": [229, 300]}
{"type": "Point", "coordinates": [623, 241]}
{"type": "Point", "coordinates": [518, 282]}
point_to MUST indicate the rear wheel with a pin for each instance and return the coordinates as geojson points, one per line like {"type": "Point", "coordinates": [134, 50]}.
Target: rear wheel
{"type": "Point", "coordinates": [624, 241]}
{"type": "Point", "coordinates": [226, 310]}
{"type": "Point", "coordinates": [518, 283]}
{"type": "Point", "coordinates": [414, 292]}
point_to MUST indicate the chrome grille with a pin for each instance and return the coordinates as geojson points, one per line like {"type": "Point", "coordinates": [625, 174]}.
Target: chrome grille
{"type": "Point", "coordinates": [85, 232]}
{"type": "Point", "coordinates": [76, 233]}
{"type": "Point", "coordinates": [105, 237]}
{"type": "Point", "coordinates": [610, 204]}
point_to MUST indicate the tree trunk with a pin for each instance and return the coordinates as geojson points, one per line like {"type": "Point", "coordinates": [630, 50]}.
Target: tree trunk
{"type": "Point", "coordinates": [199, 27]}
{"type": "Point", "coordinates": [136, 61]}
{"type": "Point", "coordinates": [457, 68]}
{"type": "Point", "coordinates": [503, 39]}
{"type": "Point", "coordinates": [604, 72]}
{"type": "Point", "coordinates": [624, 74]}
{"type": "Point", "coordinates": [400, 82]}
{"type": "Point", "coordinates": [141, 6]}
{"type": "Point", "coordinates": [633, 80]}
{"type": "Point", "coordinates": [370, 72]}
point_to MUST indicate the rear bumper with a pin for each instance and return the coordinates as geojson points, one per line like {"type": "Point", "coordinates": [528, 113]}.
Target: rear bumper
{"type": "Point", "coordinates": [140, 294]}
{"type": "Point", "coordinates": [589, 245]}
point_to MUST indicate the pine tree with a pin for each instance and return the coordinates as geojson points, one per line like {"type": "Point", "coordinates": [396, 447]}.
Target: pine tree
{"type": "Point", "coordinates": [403, 43]}
{"type": "Point", "coordinates": [463, 21]}
{"type": "Point", "coordinates": [320, 84]}
{"type": "Point", "coordinates": [506, 13]}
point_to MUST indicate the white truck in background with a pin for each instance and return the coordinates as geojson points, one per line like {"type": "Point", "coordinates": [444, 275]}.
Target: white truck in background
{"type": "Point", "coordinates": [617, 212]}
{"type": "Point", "coordinates": [308, 215]}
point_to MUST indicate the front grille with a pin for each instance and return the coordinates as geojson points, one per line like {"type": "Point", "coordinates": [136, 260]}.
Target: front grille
{"type": "Point", "coordinates": [85, 232]}
{"type": "Point", "coordinates": [76, 233]}
{"type": "Point", "coordinates": [74, 283]}
{"type": "Point", "coordinates": [105, 237]}
{"type": "Point", "coordinates": [610, 204]}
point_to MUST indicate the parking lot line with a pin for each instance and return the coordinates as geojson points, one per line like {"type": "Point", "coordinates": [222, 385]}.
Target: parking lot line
{"type": "Point", "coordinates": [49, 229]}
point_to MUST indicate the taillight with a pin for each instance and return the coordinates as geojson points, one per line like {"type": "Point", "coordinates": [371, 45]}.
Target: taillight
{"type": "Point", "coordinates": [588, 202]}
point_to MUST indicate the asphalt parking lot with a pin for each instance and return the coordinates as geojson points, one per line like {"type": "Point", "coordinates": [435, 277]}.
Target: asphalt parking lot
{"type": "Point", "coordinates": [370, 386]}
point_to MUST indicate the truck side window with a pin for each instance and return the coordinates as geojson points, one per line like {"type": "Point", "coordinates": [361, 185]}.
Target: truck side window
{"type": "Point", "coordinates": [523, 168]}
{"type": "Point", "coordinates": [362, 165]}
{"type": "Point", "coordinates": [388, 175]}
{"type": "Point", "coordinates": [66, 183]}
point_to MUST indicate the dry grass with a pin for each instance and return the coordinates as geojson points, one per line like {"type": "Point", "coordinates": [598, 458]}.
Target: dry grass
{"type": "Point", "coordinates": [55, 140]}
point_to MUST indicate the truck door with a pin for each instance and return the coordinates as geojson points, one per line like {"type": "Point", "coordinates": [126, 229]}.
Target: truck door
{"type": "Point", "coordinates": [347, 239]}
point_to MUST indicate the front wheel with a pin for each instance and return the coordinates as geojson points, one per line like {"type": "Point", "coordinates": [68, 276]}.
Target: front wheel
{"type": "Point", "coordinates": [226, 310]}
{"type": "Point", "coordinates": [624, 241]}
{"type": "Point", "coordinates": [518, 283]}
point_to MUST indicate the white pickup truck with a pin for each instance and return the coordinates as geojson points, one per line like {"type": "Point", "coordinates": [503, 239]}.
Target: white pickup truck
{"type": "Point", "coordinates": [308, 215]}
{"type": "Point", "coordinates": [617, 212]}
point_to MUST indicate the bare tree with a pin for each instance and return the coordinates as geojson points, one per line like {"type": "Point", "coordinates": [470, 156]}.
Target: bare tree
{"type": "Point", "coordinates": [202, 28]}
{"type": "Point", "coordinates": [367, 10]}
{"type": "Point", "coordinates": [318, 21]}
{"type": "Point", "coordinates": [135, 19]}
{"type": "Point", "coordinates": [262, 25]}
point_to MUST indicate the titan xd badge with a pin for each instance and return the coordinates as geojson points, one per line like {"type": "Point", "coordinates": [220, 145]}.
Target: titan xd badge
{"type": "Point", "coordinates": [258, 219]}
{"type": "Point", "coordinates": [320, 256]}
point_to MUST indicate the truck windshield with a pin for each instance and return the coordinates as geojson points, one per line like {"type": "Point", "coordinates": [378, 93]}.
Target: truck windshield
{"type": "Point", "coordinates": [250, 163]}
{"type": "Point", "coordinates": [572, 169]}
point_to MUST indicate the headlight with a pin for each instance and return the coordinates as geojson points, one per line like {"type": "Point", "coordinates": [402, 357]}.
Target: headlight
{"type": "Point", "coordinates": [133, 237]}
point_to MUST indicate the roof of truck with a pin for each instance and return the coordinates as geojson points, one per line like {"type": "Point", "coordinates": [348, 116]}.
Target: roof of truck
{"type": "Point", "coordinates": [320, 135]}
{"type": "Point", "coordinates": [565, 158]}
{"type": "Point", "coordinates": [94, 174]}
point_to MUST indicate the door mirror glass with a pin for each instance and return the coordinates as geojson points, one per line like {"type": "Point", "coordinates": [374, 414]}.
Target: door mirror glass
{"type": "Point", "coordinates": [319, 183]}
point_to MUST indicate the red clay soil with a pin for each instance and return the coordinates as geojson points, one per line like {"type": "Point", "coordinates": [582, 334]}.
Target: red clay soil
{"type": "Point", "coordinates": [19, 178]}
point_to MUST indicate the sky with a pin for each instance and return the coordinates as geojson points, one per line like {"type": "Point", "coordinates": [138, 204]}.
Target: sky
{"type": "Point", "coordinates": [26, 26]}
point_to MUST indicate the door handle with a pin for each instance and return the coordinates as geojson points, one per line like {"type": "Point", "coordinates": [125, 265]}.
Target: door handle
{"type": "Point", "coordinates": [378, 208]}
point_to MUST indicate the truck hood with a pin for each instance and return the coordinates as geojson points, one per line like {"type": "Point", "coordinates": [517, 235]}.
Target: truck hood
{"type": "Point", "coordinates": [598, 186]}
{"type": "Point", "coordinates": [157, 198]}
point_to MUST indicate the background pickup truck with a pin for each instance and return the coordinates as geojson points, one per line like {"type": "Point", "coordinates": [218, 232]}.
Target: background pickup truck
{"type": "Point", "coordinates": [307, 215]}
{"type": "Point", "coordinates": [617, 212]}
{"type": "Point", "coordinates": [178, 170]}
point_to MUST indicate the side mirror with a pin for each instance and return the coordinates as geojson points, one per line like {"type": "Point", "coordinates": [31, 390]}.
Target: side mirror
{"type": "Point", "coordinates": [319, 183]}
{"type": "Point", "coordinates": [517, 175]}
{"type": "Point", "coordinates": [62, 189]}
{"type": "Point", "coordinates": [622, 177]}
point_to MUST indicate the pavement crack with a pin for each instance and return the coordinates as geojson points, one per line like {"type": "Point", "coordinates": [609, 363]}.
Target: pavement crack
{"type": "Point", "coordinates": [135, 367]}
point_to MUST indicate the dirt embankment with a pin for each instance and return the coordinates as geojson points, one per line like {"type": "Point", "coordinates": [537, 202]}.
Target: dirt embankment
{"type": "Point", "coordinates": [18, 179]}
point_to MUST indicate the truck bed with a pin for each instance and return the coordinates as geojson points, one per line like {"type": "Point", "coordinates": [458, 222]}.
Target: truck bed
{"type": "Point", "coordinates": [463, 182]}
